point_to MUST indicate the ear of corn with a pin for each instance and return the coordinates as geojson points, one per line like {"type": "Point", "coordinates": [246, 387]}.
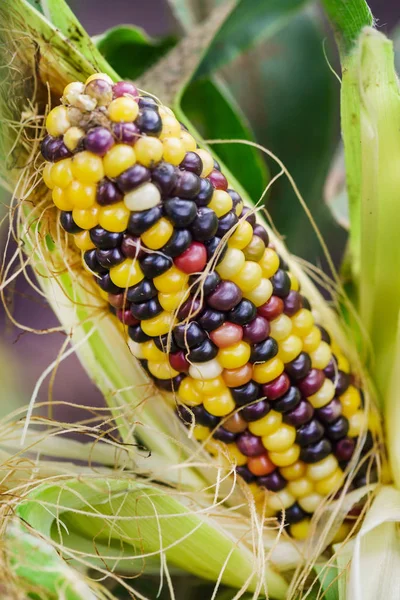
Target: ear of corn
{"type": "Point", "coordinates": [213, 313]}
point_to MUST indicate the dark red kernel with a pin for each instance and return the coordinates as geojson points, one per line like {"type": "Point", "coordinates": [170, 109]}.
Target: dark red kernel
{"type": "Point", "coordinates": [218, 180]}
{"type": "Point", "coordinates": [193, 260]}
{"type": "Point", "coordinates": [276, 388]}
{"type": "Point", "coordinates": [249, 444]}
{"type": "Point", "coordinates": [312, 383]}
{"type": "Point", "coordinates": [256, 331]}
{"type": "Point", "coordinates": [271, 309]}
{"type": "Point", "coordinates": [179, 362]}
{"type": "Point", "coordinates": [126, 317]}
{"type": "Point", "coordinates": [122, 88]}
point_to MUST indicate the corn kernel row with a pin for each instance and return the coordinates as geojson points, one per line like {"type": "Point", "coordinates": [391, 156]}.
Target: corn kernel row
{"type": "Point", "coordinates": [213, 312]}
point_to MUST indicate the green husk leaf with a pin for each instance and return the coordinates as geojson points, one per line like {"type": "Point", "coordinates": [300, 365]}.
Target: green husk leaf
{"type": "Point", "coordinates": [151, 521]}
{"type": "Point", "coordinates": [59, 13]}
{"type": "Point", "coordinates": [348, 17]}
{"type": "Point", "coordinates": [38, 566]}
{"type": "Point", "coordinates": [373, 557]}
{"type": "Point", "coordinates": [130, 50]}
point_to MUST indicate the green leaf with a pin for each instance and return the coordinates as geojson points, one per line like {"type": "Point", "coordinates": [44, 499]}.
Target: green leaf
{"type": "Point", "coordinates": [59, 13]}
{"type": "Point", "coordinates": [145, 519]}
{"type": "Point", "coordinates": [328, 579]}
{"type": "Point", "coordinates": [212, 110]}
{"type": "Point", "coordinates": [293, 111]}
{"type": "Point", "coordinates": [248, 24]}
{"type": "Point", "coordinates": [130, 50]}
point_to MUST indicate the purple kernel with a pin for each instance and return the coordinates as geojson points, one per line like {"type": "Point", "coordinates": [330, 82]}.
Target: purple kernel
{"type": "Point", "coordinates": [128, 133]}
{"type": "Point", "coordinates": [256, 331]}
{"type": "Point", "coordinates": [121, 88]}
{"type": "Point", "coordinates": [192, 162]}
{"type": "Point", "coordinates": [223, 435]}
{"type": "Point", "coordinates": [249, 216]}
{"type": "Point", "coordinates": [225, 297]}
{"type": "Point", "coordinates": [54, 149]}
{"type": "Point", "coordinates": [107, 193]}
{"type": "Point", "coordinates": [133, 177]}
{"type": "Point", "coordinates": [292, 303]}
{"type": "Point", "coordinates": [249, 444]}
{"type": "Point", "coordinates": [331, 370]}
{"type": "Point", "coordinates": [344, 448]}
{"type": "Point", "coordinates": [301, 414]}
{"type": "Point", "coordinates": [330, 412]}
{"type": "Point", "coordinates": [191, 307]}
{"type": "Point", "coordinates": [245, 474]}
{"type": "Point", "coordinates": [274, 482]}
{"type": "Point", "coordinates": [342, 382]}
{"type": "Point", "coordinates": [99, 140]}
{"type": "Point", "coordinates": [132, 246]}
{"type": "Point", "coordinates": [312, 383]}
{"type": "Point", "coordinates": [261, 232]}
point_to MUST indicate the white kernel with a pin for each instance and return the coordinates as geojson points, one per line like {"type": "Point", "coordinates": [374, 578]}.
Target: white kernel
{"type": "Point", "coordinates": [136, 349]}
{"type": "Point", "coordinates": [323, 468]}
{"type": "Point", "coordinates": [205, 370]}
{"type": "Point", "coordinates": [279, 500]}
{"type": "Point", "coordinates": [72, 91]}
{"type": "Point", "coordinates": [143, 197]}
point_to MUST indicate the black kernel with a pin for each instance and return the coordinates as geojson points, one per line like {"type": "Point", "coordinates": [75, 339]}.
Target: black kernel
{"type": "Point", "coordinates": [104, 239]}
{"type": "Point", "coordinates": [178, 243]}
{"type": "Point", "coordinates": [142, 291]}
{"type": "Point", "coordinates": [243, 313]}
{"type": "Point", "coordinates": [68, 223]}
{"type": "Point", "coordinates": [264, 351]}
{"type": "Point", "coordinates": [153, 265]}
{"type": "Point", "coordinates": [180, 212]}
{"type": "Point", "coordinates": [146, 310]}
{"type": "Point", "coordinates": [139, 222]}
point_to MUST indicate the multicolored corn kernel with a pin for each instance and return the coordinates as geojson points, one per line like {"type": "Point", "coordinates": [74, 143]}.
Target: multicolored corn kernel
{"type": "Point", "coordinates": [212, 311]}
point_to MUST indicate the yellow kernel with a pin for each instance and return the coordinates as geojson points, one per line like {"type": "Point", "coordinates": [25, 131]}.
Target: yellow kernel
{"type": "Point", "coordinates": [170, 302]}
{"type": "Point", "coordinates": [301, 530]}
{"type": "Point", "coordinates": [123, 109]}
{"type": "Point", "coordinates": [323, 468]}
{"type": "Point", "coordinates": [235, 455]}
{"type": "Point", "coordinates": [87, 167]}
{"type": "Point", "coordinates": [220, 405]}
{"type": "Point", "coordinates": [281, 327]}
{"type": "Point", "coordinates": [300, 487]}
{"type": "Point", "coordinates": [287, 457]}
{"type": "Point", "coordinates": [358, 423]}
{"type": "Point", "coordinates": [311, 503]}
{"type": "Point", "coordinates": [321, 356]}
{"type": "Point", "coordinates": [99, 76]}
{"type": "Point", "coordinates": [61, 174]}
{"type": "Point", "coordinates": [279, 500]}
{"type": "Point", "coordinates": [234, 356]}
{"type": "Point", "coordinates": [302, 322]}
{"type": "Point", "coordinates": [221, 203]}
{"type": "Point", "coordinates": [242, 236]}
{"type": "Point", "coordinates": [343, 363]}
{"type": "Point", "coordinates": [162, 370]}
{"type": "Point", "coordinates": [267, 425]}
{"type": "Point", "coordinates": [165, 110]}
{"type": "Point", "coordinates": [215, 448]}
{"type": "Point", "coordinates": [239, 208]}
{"type": "Point", "coordinates": [86, 218]}
{"type": "Point", "coordinates": [331, 483]}
{"type": "Point", "coordinates": [114, 217]}
{"type": "Point", "coordinates": [171, 281]}
{"type": "Point", "coordinates": [72, 137]}
{"type": "Point", "coordinates": [343, 531]}
{"type": "Point", "coordinates": [151, 352]}
{"type": "Point", "coordinates": [118, 159]}
{"type": "Point", "coordinates": [149, 151]}
{"type": "Point", "coordinates": [127, 273]}
{"type": "Point", "coordinates": [231, 264]}
{"type": "Point", "coordinates": [174, 150]}
{"type": "Point", "coordinates": [261, 294]}
{"type": "Point", "coordinates": [350, 401]}
{"type": "Point", "coordinates": [170, 127]}
{"type": "Point", "coordinates": [158, 325]}
{"type": "Point", "coordinates": [57, 121]}
{"type": "Point", "coordinates": [47, 175]}
{"type": "Point", "coordinates": [294, 471]}
{"type": "Point", "coordinates": [188, 140]}
{"type": "Point", "coordinates": [83, 241]}
{"type": "Point", "coordinates": [290, 348]}
{"type": "Point", "coordinates": [81, 195]}
{"type": "Point", "coordinates": [207, 160]}
{"type": "Point", "coordinates": [312, 340]}
{"type": "Point", "coordinates": [60, 199]}
{"type": "Point", "coordinates": [324, 395]}
{"type": "Point", "coordinates": [210, 387]}
{"type": "Point", "coordinates": [269, 263]}
{"type": "Point", "coordinates": [266, 372]}
{"type": "Point", "coordinates": [281, 439]}
{"type": "Point", "coordinates": [294, 283]}
{"type": "Point", "coordinates": [188, 393]}
{"type": "Point", "coordinates": [158, 235]}
{"type": "Point", "coordinates": [249, 277]}
{"type": "Point", "coordinates": [201, 433]}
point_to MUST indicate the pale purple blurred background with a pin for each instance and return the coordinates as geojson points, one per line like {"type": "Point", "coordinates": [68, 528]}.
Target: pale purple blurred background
{"type": "Point", "coordinates": [30, 353]}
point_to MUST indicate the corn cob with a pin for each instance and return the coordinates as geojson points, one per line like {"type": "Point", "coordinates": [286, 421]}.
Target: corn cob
{"type": "Point", "coordinates": [212, 311]}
